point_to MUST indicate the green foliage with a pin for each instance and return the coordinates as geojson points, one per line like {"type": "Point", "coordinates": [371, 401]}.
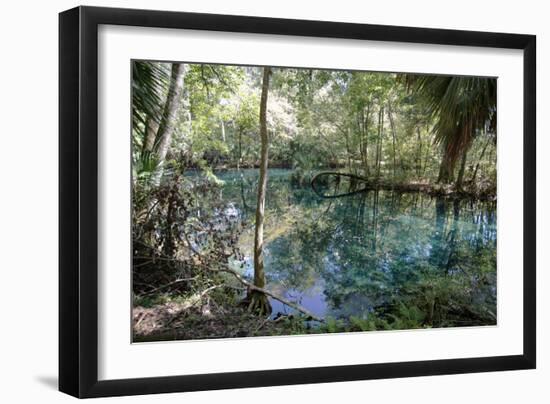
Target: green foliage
{"type": "Point", "coordinates": [333, 325]}
{"type": "Point", "coordinates": [149, 85]}
{"type": "Point", "coordinates": [464, 107]}
{"type": "Point", "coordinates": [378, 125]}
{"type": "Point", "coordinates": [384, 260]}
{"type": "Point", "coordinates": [144, 167]}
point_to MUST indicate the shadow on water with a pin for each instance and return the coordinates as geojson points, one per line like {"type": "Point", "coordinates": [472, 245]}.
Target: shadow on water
{"type": "Point", "coordinates": [374, 252]}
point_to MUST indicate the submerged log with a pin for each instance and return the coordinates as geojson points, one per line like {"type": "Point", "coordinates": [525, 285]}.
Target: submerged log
{"type": "Point", "coordinates": [359, 184]}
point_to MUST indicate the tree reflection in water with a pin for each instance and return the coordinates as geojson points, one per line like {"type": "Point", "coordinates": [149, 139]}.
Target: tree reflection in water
{"type": "Point", "coordinates": [386, 259]}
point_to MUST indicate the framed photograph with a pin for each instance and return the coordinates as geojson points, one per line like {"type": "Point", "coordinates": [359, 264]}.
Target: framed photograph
{"type": "Point", "coordinates": [251, 201]}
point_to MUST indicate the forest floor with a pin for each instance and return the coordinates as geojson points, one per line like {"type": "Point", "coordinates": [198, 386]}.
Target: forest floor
{"type": "Point", "coordinates": [179, 321]}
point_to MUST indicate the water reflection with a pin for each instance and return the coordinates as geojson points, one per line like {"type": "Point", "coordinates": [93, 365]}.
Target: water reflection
{"type": "Point", "coordinates": [375, 253]}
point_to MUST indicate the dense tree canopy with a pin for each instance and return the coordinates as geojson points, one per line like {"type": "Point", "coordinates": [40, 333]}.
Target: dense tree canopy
{"type": "Point", "coordinates": [379, 125]}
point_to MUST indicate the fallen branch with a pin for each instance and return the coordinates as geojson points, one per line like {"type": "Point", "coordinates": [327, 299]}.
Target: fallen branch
{"type": "Point", "coordinates": [253, 287]}
{"type": "Point", "coordinates": [141, 317]}
{"type": "Point", "coordinates": [249, 285]}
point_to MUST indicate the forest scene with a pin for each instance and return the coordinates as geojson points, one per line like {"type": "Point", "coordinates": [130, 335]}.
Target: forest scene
{"type": "Point", "coordinates": [284, 201]}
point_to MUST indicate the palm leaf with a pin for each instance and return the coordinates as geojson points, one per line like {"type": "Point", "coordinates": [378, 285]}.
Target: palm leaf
{"type": "Point", "coordinates": [149, 85]}
{"type": "Point", "coordinates": [462, 106]}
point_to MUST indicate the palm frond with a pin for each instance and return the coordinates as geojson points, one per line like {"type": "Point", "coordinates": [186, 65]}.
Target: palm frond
{"type": "Point", "coordinates": [149, 83]}
{"type": "Point", "coordinates": [462, 107]}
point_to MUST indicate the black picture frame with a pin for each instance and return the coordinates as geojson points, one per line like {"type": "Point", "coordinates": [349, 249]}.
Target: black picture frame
{"type": "Point", "coordinates": [78, 201]}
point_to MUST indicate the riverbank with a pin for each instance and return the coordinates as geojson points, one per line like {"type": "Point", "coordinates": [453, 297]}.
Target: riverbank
{"type": "Point", "coordinates": [206, 319]}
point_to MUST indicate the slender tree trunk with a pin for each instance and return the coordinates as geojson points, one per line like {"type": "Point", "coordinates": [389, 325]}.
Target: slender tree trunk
{"type": "Point", "coordinates": [150, 135]}
{"type": "Point", "coordinates": [364, 157]}
{"type": "Point", "coordinates": [419, 158]}
{"type": "Point", "coordinates": [363, 140]}
{"type": "Point", "coordinates": [426, 159]}
{"type": "Point", "coordinates": [460, 177]}
{"type": "Point", "coordinates": [394, 139]}
{"type": "Point", "coordinates": [427, 153]}
{"type": "Point", "coordinates": [379, 141]}
{"type": "Point", "coordinates": [366, 141]}
{"type": "Point", "coordinates": [186, 105]}
{"type": "Point", "coordinates": [447, 168]}
{"type": "Point", "coordinates": [258, 301]}
{"type": "Point", "coordinates": [169, 119]}
{"type": "Point", "coordinates": [479, 161]}
{"type": "Point", "coordinates": [240, 156]}
{"type": "Point", "coordinates": [348, 148]}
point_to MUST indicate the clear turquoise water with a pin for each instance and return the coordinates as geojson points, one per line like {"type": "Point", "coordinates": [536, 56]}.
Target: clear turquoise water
{"type": "Point", "coordinates": [371, 252]}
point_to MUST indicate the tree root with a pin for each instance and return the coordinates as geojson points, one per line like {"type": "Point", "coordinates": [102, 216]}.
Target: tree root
{"type": "Point", "coordinates": [258, 303]}
{"type": "Point", "coordinates": [253, 288]}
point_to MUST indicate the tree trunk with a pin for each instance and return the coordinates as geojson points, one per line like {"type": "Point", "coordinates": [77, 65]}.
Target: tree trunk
{"type": "Point", "coordinates": [419, 157]}
{"type": "Point", "coordinates": [427, 152]}
{"type": "Point", "coordinates": [479, 161]}
{"type": "Point", "coordinates": [364, 164]}
{"type": "Point", "coordinates": [361, 148]}
{"type": "Point", "coordinates": [150, 135]}
{"type": "Point", "coordinates": [169, 118]}
{"type": "Point", "coordinates": [446, 169]}
{"type": "Point", "coordinates": [379, 141]}
{"type": "Point", "coordinates": [348, 151]}
{"type": "Point", "coordinates": [366, 141]}
{"type": "Point", "coordinates": [240, 156]}
{"type": "Point", "coordinates": [460, 177]}
{"type": "Point", "coordinates": [258, 300]}
{"type": "Point", "coordinates": [394, 139]}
